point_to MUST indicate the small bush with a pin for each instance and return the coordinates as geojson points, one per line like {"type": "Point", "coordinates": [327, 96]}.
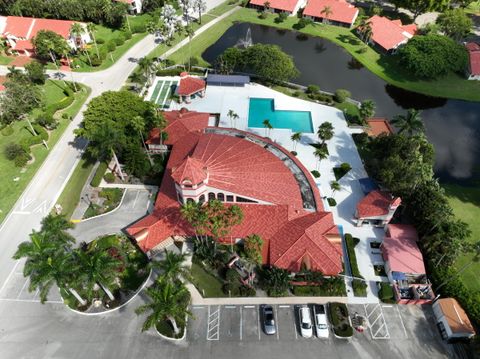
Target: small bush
{"type": "Point", "coordinates": [138, 28]}
{"type": "Point", "coordinates": [232, 275]}
{"type": "Point", "coordinates": [331, 202]}
{"type": "Point", "coordinates": [263, 15]}
{"type": "Point", "coordinates": [315, 174]}
{"type": "Point", "coordinates": [342, 95]}
{"type": "Point", "coordinates": [294, 153]}
{"type": "Point", "coordinates": [359, 288]}
{"type": "Point", "coordinates": [297, 94]}
{"type": "Point", "coordinates": [127, 34]}
{"type": "Point", "coordinates": [281, 17]}
{"type": "Point", "coordinates": [109, 177]}
{"type": "Point", "coordinates": [21, 161]}
{"type": "Point", "coordinates": [385, 293]}
{"type": "Point", "coordinates": [100, 40]}
{"type": "Point", "coordinates": [7, 131]}
{"type": "Point", "coordinates": [119, 40]}
{"type": "Point", "coordinates": [362, 50]}
{"type": "Point", "coordinates": [12, 151]}
{"type": "Point", "coordinates": [312, 89]}
{"type": "Point", "coordinates": [46, 121]}
{"type": "Point", "coordinates": [246, 291]}
{"type": "Point", "coordinates": [111, 45]}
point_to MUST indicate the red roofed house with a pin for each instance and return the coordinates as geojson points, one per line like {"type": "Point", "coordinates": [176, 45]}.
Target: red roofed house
{"type": "Point", "coordinates": [279, 199]}
{"type": "Point", "coordinates": [474, 61]}
{"type": "Point", "coordinates": [378, 126]}
{"type": "Point", "coordinates": [376, 208]}
{"type": "Point", "coordinates": [388, 34]}
{"type": "Point", "coordinates": [336, 12]}
{"type": "Point", "coordinates": [290, 7]}
{"type": "Point", "coordinates": [404, 265]}
{"type": "Point", "coordinates": [189, 87]}
{"type": "Point", "coordinates": [19, 32]}
{"type": "Point", "coordinates": [134, 6]}
{"type": "Point", "coordinates": [452, 320]}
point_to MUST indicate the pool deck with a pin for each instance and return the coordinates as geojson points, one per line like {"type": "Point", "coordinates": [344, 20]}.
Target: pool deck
{"type": "Point", "coordinates": [341, 148]}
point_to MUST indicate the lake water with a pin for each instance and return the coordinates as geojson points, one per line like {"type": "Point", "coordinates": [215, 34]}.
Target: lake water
{"type": "Point", "coordinates": [453, 126]}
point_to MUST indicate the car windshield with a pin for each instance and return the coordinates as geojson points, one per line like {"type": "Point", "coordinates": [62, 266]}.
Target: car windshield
{"type": "Point", "coordinates": [269, 317]}
{"type": "Point", "coordinates": [322, 326]}
{"type": "Point", "coordinates": [306, 325]}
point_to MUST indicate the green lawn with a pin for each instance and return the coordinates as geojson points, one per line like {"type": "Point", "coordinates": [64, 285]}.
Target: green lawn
{"type": "Point", "coordinates": [386, 67]}
{"type": "Point", "coordinates": [71, 193]}
{"type": "Point", "coordinates": [5, 60]}
{"type": "Point", "coordinates": [465, 202]}
{"type": "Point", "coordinates": [474, 8]}
{"type": "Point", "coordinates": [205, 282]}
{"type": "Point", "coordinates": [10, 190]}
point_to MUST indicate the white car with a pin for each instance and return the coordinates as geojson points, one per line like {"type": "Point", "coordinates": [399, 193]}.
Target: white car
{"type": "Point", "coordinates": [306, 326]}
{"type": "Point", "coordinates": [321, 324]}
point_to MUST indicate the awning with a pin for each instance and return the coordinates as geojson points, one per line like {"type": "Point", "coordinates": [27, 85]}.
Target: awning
{"type": "Point", "coordinates": [399, 276]}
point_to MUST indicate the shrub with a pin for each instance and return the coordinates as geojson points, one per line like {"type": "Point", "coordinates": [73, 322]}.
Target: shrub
{"type": "Point", "coordinates": [13, 150]}
{"type": "Point", "coordinates": [331, 202]}
{"type": "Point", "coordinates": [46, 120]}
{"type": "Point", "coordinates": [109, 177]}
{"type": "Point", "coordinates": [294, 153]}
{"type": "Point", "coordinates": [315, 173]}
{"type": "Point", "coordinates": [385, 293]}
{"type": "Point", "coordinates": [281, 17]}
{"type": "Point", "coordinates": [359, 288]}
{"type": "Point", "coordinates": [232, 275]}
{"type": "Point", "coordinates": [111, 45]}
{"type": "Point", "coordinates": [7, 131]}
{"type": "Point", "coordinates": [112, 196]}
{"type": "Point", "coordinates": [127, 34]}
{"type": "Point", "coordinates": [247, 291]}
{"type": "Point", "coordinates": [362, 50]}
{"type": "Point", "coordinates": [312, 89]}
{"type": "Point", "coordinates": [342, 95]}
{"type": "Point", "coordinates": [42, 135]}
{"type": "Point", "coordinates": [138, 28]}
{"type": "Point", "coordinates": [339, 318]}
{"type": "Point", "coordinates": [351, 243]}
{"type": "Point", "coordinates": [21, 161]}
{"type": "Point", "coordinates": [100, 40]}
{"type": "Point", "coordinates": [263, 15]}
{"type": "Point", "coordinates": [170, 72]}
{"type": "Point", "coordinates": [297, 94]}
{"type": "Point", "coordinates": [99, 173]}
{"type": "Point", "coordinates": [119, 40]}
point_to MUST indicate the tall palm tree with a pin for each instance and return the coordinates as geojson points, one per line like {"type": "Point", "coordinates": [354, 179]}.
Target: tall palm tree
{"type": "Point", "coordinates": [91, 29]}
{"type": "Point", "coordinates": [325, 131]}
{"type": "Point", "coordinates": [365, 28]}
{"type": "Point", "coordinates": [78, 30]}
{"type": "Point", "coordinates": [147, 66]}
{"type": "Point", "coordinates": [172, 268]}
{"type": "Point", "coordinates": [190, 33]}
{"type": "Point", "coordinates": [268, 126]}
{"type": "Point", "coordinates": [335, 186]}
{"type": "Point", "coordinates": [327, 11]}
{"type": "Point", "coordinates": [201, 7]}
{"type": "Point", "coordinates": [410, 123]}
{"type": "Point", "coordinates": [233, 117]}
{"type": "Point", "coordinates": [321, 154]}
{"type": "Point", "coordinates": [168, 301]}
{"type": "Point", "coordinates": [296, 137]}
{"type": "Point", "coordinates": [97, 267]}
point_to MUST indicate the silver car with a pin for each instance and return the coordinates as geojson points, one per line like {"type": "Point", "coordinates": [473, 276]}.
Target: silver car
{"type": "Point", "coordinates": [268, 320]}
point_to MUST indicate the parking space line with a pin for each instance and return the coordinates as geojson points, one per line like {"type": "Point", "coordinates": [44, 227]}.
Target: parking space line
{"type": "Point", "coordinates": [36, 293]}
{"type": "Point", "coordinates": [23, 287]}
{"type": "Point", "coordinates": [284, 306]}
{"type": "Point", "coordinates": [198, 307]}
{"type": "Point", "coordinates": [258, 322]}
{"type": "Point", "coordinates": [9, 276]}
{"type": "Point", "coordinates": [276, 322]}
{"type": "Point", "coordinates": [241, 323]}
{"type": "Point", "coordinates": [135, 201]}
{"type": "Point", "coordinates": [249, 306]}
{"type": "Point", "coordinates": [294, 324]}
{"type": "Point", "coordinates": [401, 321]}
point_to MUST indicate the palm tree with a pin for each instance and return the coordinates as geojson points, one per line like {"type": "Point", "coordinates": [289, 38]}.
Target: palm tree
{"type": "Point", "coordinates": [169, 301]}
{"type": "Point", "coordinates": [172, 267]}
{"type": "Point", "coordinates": [189, 32]}
{"type": "Point", "coordinates": [78, 30]}
{"type": "Point", "coordinates": [327, 11]}
{"type": "Point", "coordinates": [325, 132]}
{"type": "Point", "coordinates": [410, 123]}
{"type": "Point", "coordinates": [268, 126]}
{"type": "Point", "coordinates": [233, 117]}
{"type": "Point", "coordinates": [365, 28]}
{"type": "Point", "coordinates": [201, 7]}
{"type": "Point", "coordinates": [91, 29]}
{"type": "Point", "coordinates": [147, 66]}
{"type": "Point", "coordinates": [137, 78]}
{"type": "Point", "coordinates": [97, 267]}
{"type": "Point", "coordinates": [321, 154]}
{"type": "Point", "coordinates": [296, 137]}
{"type": "Point", "coordinates": [335, 186]}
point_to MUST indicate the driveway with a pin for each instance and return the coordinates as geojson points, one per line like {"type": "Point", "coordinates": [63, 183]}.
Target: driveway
{"type": "Point", "coordinates": [134, 205]}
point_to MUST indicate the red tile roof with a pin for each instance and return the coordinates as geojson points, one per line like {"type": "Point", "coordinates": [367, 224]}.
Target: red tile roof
{"type": "Point", "coordinates": [389, 34]}
{"type": "Point", "coordinates": [474, 55]}
{"type": "Point", "coordinates": [378, 126]}
{"type": "Point", "coordinates": [401, 251]}
{"type": "Point", "coordinates": [28, 27]}
{"type": "Point", "coordinates": [192, 170]}
{"type": "Point", "coordinates": [284, 5]}
{"type": "Point", "coordinates": [248, 169]}
{"type": "Point", "coordinates": [190, 85]}
{"type": "Point", "coordinates": [22, 45]}
{"type": "Point", "coordinates": [376, 203]}
{"type": "Point", "coordinates": [341, 11]}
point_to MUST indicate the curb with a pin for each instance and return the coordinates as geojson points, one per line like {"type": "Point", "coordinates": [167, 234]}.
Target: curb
{"type": "Point", "coordinates": [103, 214]}
{"type": "Point", "coordinates": [174, 339]}
{"type": "Point", "coordinates": [116, 308]}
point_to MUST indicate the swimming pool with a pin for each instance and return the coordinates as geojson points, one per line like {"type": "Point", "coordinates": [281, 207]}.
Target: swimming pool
{"type": "Point", "coordinates": [262, 109]}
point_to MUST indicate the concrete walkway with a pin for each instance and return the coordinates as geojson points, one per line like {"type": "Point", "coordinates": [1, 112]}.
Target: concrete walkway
{"type": "Point", "coordinates": [134, 205]}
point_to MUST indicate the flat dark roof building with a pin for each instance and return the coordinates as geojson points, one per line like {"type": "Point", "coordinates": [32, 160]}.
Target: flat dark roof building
{"type": "Point", "coordinates": [227, 80]}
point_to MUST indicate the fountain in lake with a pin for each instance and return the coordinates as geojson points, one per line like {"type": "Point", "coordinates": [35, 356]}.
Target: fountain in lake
{"type": "Point", "coordinates": [247, 41]}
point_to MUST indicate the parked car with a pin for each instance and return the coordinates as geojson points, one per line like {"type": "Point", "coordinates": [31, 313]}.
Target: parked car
{"type": "Point", "coordinates": [306, 326]}
{"type": "Point", "coordinates": [321, 324]}
{"type": "Point", "coordinates": [269, 320]}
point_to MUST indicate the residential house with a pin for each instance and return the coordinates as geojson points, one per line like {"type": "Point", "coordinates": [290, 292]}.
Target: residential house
{"type": "Point", "coordinates": [388, 35]}
{"type": "Point", "coordinates": [190, 87]}
{"type": "Point", "coordinates": [473, 71]}
{"type": "Point", "coordinates": [377, 126]}
{"type": "Point", "coordinates": [376, 208]}
{"type": "Point", "coordinates": [452, 321]}
{"type": "Point", "coordinates": [404, 265]}
{"type": "Point", "coordinates": [134, 6]}
{"type": "Point", "coordinates": [19, 32]}
{"type": "Point", "coordinates": [335, 12]}
{"type": "Point", "coordinates": [290, 7]}
{"type": "Point", "coordinates": [276, 193]}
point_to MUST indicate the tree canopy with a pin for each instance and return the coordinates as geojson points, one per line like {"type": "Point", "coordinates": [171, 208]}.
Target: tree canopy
{"type": "Point", "coordinates": [49, 45]}
{"type": "Point", "coordinates": [455, 23]}
{"type": "Point", "coordinates": [430, 56]}
{"type": "Point", "coordinates": [418, 7]}
{"type": "Point", "coordinates": [266, 61]}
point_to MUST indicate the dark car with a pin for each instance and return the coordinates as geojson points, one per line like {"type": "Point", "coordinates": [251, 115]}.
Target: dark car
{"type": "Point", "coordinates": [269, 320]}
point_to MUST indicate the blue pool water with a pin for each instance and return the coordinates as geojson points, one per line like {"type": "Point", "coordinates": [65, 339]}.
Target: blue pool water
{"type": "Point", "coordinates": [262, 109]}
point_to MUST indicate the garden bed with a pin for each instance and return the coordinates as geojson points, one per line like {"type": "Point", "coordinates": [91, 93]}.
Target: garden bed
{"type": "Point", "coordinates": [340, 320]}
{"type": "Point", "coordinates": [165, 328]}
{"type": "Point", "coordinates": [108, 200]}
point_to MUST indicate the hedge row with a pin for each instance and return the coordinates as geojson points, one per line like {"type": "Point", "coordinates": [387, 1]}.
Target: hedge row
{"type": "Point", "coordinates": [385, 293]}
{"type": "Point", "coordinates": [351, 242]}
{"type": "Point", "coordinates": [319, 290]}
{"type": "Point", "coordinates": [97, 178]}
{"type": "Point", "coordinates": [64, 103]}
